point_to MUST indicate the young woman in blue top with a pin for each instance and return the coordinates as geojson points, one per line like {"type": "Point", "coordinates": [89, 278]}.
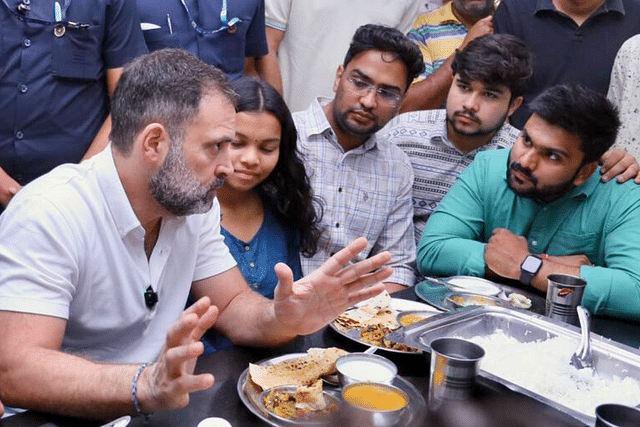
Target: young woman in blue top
{"type": "Point", "coordinates": [268, 211]}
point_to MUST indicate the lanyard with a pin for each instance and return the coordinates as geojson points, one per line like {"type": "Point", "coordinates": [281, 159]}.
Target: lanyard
{"type": "Point", "coordinates": [226, 24]}
{"type": "Point", "coordinates": [59, 18]}
{"type": "Point", "coordinates": [59, 14]}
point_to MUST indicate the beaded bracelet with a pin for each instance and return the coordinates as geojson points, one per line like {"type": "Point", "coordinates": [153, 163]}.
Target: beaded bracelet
{"type": "Point", "coordinates": [134, 389]}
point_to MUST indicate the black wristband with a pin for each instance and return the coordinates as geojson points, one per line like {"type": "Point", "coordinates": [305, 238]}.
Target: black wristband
{"type": "Point", "coordinates": [529, 268]}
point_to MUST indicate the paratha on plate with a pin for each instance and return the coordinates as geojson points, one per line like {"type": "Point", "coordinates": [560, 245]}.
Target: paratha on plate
{"type": "Point", "coordinates": [300, 371]}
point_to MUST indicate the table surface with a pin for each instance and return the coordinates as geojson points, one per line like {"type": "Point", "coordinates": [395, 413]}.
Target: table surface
{"type": "Point", "coordinates": [495, 406]}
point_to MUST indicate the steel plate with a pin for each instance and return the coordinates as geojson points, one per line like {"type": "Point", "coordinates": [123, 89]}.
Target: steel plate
{"type": "Point", "coordinates": [610, 358]}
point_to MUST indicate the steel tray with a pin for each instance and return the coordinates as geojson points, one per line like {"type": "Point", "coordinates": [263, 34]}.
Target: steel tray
{"type": "Point", "coordinates": [610, 358]}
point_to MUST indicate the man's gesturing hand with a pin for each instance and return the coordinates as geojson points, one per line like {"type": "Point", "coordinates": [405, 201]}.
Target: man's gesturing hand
{"type": "Point", "coordinates": [167, 383]}
{"type": "Point", "coordinates": [313, 301]}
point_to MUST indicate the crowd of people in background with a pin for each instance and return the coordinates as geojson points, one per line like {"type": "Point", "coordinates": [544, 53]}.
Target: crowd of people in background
{"type": "Point", "coordinates": [457, 137]}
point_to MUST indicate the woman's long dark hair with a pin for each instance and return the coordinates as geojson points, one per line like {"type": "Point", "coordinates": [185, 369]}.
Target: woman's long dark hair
{"type": "Point", "coordinates": [288, 183]}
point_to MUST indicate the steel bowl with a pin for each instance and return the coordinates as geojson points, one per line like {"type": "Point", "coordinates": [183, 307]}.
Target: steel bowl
{"type": "Point", "coordinates": [363, 367]}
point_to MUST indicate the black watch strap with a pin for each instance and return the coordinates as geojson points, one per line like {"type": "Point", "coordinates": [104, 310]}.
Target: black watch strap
{"type": "Point", "coordinates": [529, 268]}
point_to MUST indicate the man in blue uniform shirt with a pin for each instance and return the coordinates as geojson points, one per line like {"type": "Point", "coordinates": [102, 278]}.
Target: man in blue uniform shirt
{"type": "Point", "coordinates": [60, 61]}
{"type": "Point", "coordinates": [220, 32]}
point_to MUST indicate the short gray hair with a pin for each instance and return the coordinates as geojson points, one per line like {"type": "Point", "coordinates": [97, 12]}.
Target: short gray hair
{"type": "Point", "coordinates": [165, 86]}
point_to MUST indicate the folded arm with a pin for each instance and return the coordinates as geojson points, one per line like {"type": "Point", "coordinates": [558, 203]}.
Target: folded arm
{"type": "Point", "coordinates": [452, 241]}
{"type": "Point", "coordinates": [613, 277]}
{"type": "Point", "coordinates": [505, 253]}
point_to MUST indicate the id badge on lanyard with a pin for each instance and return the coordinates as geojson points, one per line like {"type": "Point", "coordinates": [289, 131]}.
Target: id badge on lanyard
{"type": "Point", "coordinates": [229, 25]}
{"type": "Point", "coordinates": [59, 16]}
{"type": "Point", "coordinates": [76, 51]}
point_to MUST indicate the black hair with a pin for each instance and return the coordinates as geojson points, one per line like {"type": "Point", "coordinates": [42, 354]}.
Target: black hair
{"type": "Point", "coordinates": [387, 39]}
{"type": "Point", "coordinates": [495, 59]}
{"type": "Point", "coordinates": [582, 112]}
{"type": "Point", "coordinates": [288, 183]}
{"type": "Point", "coordinates": [165, 86]}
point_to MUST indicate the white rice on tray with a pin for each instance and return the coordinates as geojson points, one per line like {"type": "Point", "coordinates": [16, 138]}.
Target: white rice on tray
{"type": "Point", "coordinates": [543, 368]}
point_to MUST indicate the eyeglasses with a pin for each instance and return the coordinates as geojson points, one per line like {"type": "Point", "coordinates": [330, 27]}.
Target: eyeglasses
{"type": "Point", "coordinates": [363, 88]}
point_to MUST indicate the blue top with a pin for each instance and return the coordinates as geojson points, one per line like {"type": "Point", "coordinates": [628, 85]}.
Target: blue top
{"type": "Point", "coordinates": [53, 93]}
{"type": "Point", "coordinates": [197, 26]}
{"type": "Point", "coordinates": [564, 52]}
{"type": "Point", "coordinates": [599, 220]}
{"type": "Point", "coordinates": [273, 243]}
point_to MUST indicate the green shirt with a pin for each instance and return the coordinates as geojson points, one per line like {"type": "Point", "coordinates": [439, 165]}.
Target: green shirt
{"type": "Point", "coordinates": [599, 220]}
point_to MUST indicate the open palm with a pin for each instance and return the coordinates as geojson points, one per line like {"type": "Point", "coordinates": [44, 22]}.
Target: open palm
{"type": "Point", "coordinates": [315, 300]}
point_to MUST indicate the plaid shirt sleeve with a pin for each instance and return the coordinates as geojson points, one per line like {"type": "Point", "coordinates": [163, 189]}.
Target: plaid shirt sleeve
{"type": "Point", "coordinates": [397, 236]}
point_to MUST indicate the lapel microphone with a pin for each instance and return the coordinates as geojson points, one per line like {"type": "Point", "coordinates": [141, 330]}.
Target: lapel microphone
{"type": "Point", "coordinates": [150, 297]}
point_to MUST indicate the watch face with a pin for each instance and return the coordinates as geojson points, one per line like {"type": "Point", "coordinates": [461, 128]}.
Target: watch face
{"type": "Point", "coordinates": [531, 263]}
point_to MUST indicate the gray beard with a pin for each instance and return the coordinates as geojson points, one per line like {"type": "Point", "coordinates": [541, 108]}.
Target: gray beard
{"type": "Point", "coordinates": [176, 189]}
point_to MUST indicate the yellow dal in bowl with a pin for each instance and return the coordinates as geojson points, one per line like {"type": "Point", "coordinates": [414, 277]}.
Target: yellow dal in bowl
{"type": "Point", "coordinates": [375, 396]}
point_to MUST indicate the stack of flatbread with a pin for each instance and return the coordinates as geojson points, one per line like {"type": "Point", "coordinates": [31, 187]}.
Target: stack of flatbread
{"type": "Point", "coordinates": [373, 319]}
{"type": "Point", "coordinates": [376, 311]}
{"type": "Point", "coordinates": [300, 371]}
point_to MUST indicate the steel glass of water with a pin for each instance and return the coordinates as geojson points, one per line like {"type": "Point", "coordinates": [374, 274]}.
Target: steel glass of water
{"type": "Point", "coordinates": [564, 295]}
{"type": "Point", "coordinates": [454, 367]}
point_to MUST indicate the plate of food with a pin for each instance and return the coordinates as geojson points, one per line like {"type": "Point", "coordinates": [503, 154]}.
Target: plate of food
{"type": "Point", "coordinates": [304, 400]}
{"type": "Point", "coordinates": [304, 405]}
{"type": "Point", "coordinates": [288, 391]}
{"type": "Point", "coordinates": [437, 292]}
{"type": "Point", "coordinates": [371, 320]}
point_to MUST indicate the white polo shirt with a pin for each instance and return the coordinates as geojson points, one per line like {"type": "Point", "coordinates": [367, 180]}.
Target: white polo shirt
{"type": "Point", "coordinates": [72, 247]}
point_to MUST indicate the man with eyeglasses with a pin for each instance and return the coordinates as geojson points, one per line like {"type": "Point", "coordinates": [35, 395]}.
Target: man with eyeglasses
{"type": "Point", "coordinates": [363, 180]}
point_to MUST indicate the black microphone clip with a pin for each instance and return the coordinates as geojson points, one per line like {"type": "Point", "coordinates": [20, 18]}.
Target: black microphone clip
{"type": "Point", "coordinates": [150, 297]}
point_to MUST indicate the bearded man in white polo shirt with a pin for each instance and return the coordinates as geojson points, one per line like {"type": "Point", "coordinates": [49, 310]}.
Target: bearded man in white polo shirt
{"type": "Point", "coordinates": [97, 259]}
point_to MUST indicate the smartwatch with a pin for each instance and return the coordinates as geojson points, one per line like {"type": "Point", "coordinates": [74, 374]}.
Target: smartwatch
{"type": "Point", "coordinates": [529, 268]}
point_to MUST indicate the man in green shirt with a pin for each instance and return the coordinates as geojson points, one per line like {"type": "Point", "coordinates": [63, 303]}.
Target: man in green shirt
{"type": "Point", "coordinates": [540, 209]}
